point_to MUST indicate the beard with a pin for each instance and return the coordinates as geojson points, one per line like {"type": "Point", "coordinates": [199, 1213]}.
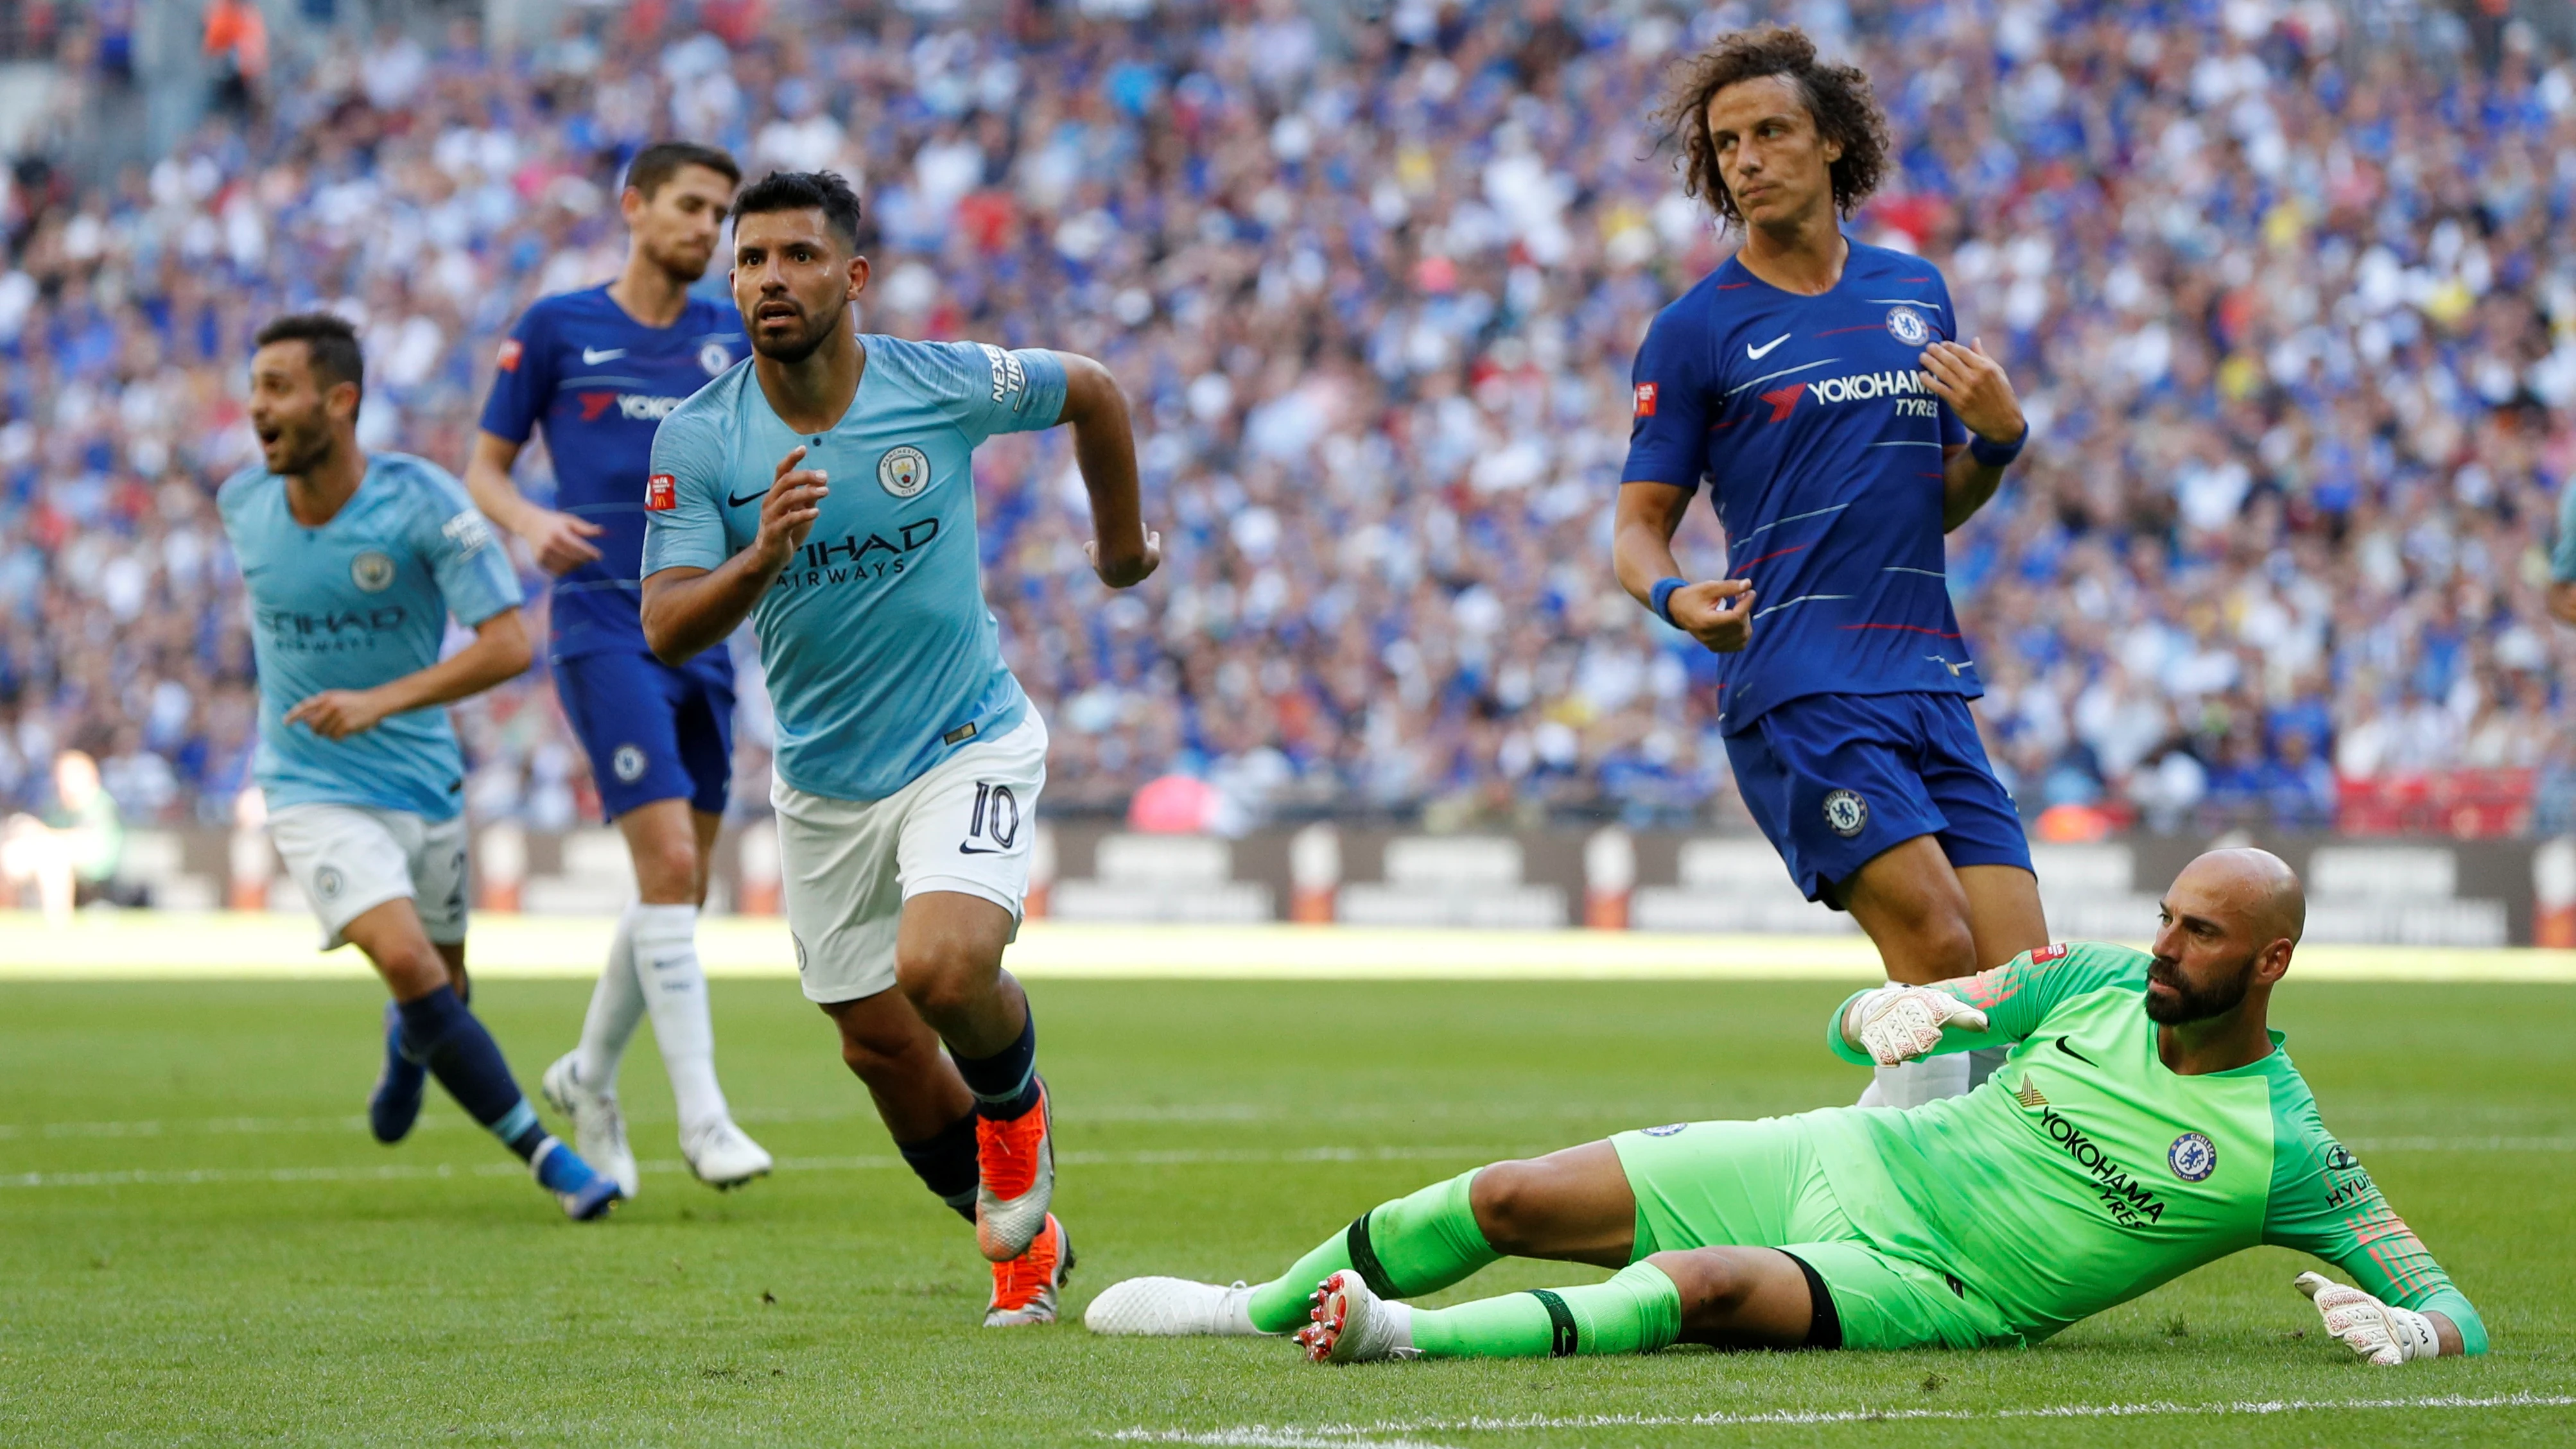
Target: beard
{"type": "Point", "coordinates": [2190, 1004]}
{"type": "Point", "coordinates": [796, 349]}
{"type": "Point", "coordinates": [302, 450]}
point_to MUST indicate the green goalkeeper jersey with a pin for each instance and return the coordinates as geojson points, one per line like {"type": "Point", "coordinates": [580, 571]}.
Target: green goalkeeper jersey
{"type": "Point", "coordinates": [2085, 1172]}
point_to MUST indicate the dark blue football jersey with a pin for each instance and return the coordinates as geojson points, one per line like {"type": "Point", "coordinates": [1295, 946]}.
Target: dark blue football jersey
{"type": "Point", "coordinates": [1814, 425]}
{"type": "Point", "coordinates": [600, 382]}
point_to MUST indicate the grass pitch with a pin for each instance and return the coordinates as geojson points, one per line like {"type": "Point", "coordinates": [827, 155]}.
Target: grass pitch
{"type": "Point", "coordinates": [200, 1245]}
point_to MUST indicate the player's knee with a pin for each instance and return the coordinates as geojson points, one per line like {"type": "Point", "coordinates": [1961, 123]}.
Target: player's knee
{"type": "Point", "coordinates": [666, 871]}
{"type": "Point", "coordinates": [944, 980]}
{"type": "Point", "coordinates": [1713, 1282]}
{"type": "Point", "coordinates": [876, 1054]}
{"type": "Point", "coordinates": [1508, 1200]}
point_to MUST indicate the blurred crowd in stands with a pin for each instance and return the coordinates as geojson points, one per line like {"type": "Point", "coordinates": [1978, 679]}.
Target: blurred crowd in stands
{"type": "Point", "coordinates": [2278, 289]}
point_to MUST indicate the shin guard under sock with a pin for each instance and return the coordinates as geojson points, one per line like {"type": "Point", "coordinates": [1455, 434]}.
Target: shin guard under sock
{"type": "Point", "coordinates": [945, 1162]}
{"type": "Point", "coordinates": [441, 1034]}
{"type": "Point", "coordinates": [616, 1005]}
{"type": "Point", "coordinates": [1637, 1311]}
{"type": "Point", "coordinates": [1005, 1084]}
{"type": "Point", "coordinates": [674, 989]}
{"type": "Point", "coordinates": [1401, 1249]}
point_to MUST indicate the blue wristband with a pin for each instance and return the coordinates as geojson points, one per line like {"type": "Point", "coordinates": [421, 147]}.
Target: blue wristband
{"type": "Point", "coordinates": [1660, 598]}
{"type": "Point", "coordinates": [1997, 455]}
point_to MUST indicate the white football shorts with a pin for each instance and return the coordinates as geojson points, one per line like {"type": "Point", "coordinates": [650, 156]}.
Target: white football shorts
{"type": "Point", "coordinates": [847, 866]}
{"type": "Point", "coordinates": [350, 859]}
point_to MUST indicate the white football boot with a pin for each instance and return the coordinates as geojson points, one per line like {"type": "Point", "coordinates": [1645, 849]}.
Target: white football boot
{"type": "Point", "coordinates": [598, 1128]}
{"type": "Point", "coordinates": [1354, 1325]}
{"type": "Point", "coordinates": [1171, 1308]}
{"type": "Point", "coordinates": [723, 1156]}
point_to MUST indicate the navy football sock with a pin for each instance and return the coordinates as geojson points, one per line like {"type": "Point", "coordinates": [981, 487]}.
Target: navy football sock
{"type": "Point", "coordinates": [945, 1163]}
{"type": "Point", "coordinates": [1005, 1084]}
{"type": "Point", "coordinates": [441, 1034]}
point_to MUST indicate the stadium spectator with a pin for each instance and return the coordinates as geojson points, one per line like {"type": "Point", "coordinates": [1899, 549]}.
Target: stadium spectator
{"type": "Point", "coordinates": [2277, 280]}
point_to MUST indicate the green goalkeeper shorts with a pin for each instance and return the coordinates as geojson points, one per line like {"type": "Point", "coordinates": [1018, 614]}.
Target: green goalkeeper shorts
{"type": "Point", "coordinates": [1761, 1185]}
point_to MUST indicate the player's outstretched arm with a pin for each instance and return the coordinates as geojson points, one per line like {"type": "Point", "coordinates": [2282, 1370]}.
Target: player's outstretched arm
{"type": "Point", "coordinates": [1122, 551]}
{"type": "Point", "coordinates": [1718, 613]}
{"type": "Point", "coordinates": [500, 651]}
{"type": "Point", "coordinates": [1977, 389]}
{"type": "Point", "coordinates": [690, 610]}
{"type": "Point", "coordinates": [560, 541]}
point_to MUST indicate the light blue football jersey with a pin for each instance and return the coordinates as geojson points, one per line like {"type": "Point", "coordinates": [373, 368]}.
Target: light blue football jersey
{"type": "Point", "coordinates": [358, 601]}
{"type": "Point", "coordinates": [880, 654]}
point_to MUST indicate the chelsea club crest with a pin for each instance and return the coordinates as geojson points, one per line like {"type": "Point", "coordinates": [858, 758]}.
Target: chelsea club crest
{"type": "Point", "coordinates": [1907, 326]}
{"type": "Point", "coordinates": [2192, 1157]}
{"type": "Point", "coordinates": [904, 470]}
{"type": "Point", "coordinates": [715, 357]}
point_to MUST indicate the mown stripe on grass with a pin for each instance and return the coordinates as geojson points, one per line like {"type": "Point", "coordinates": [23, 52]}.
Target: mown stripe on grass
{"type": "Point", "coordinates": [399, 1171]}
{"type": "Point", "coordinates": [1371, 1436]}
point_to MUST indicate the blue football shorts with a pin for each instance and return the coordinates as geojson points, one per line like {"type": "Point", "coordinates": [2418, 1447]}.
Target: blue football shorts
{"type": "Point", "coordinates": [652, 732]}
{"type": "Point", "coordinates": [1835, 780]}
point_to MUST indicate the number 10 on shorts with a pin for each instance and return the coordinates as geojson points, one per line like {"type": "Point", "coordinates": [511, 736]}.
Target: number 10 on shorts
{"type": "Point", "coordinates": [996, 820]}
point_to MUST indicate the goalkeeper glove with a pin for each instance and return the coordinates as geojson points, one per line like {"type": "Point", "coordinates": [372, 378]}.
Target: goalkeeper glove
{"type": "Point", "coordinates": [2380, 1332]}
{"type": "Point", "coordinates": [1895, 1024]}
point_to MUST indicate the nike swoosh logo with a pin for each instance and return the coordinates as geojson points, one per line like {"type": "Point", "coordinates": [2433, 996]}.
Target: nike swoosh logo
{"type": "Point", "coordinates": [753, 496]}
{"type": "Point", "coordinates": [1763, 351]}
{"type": "Point", "coordinates": [593, 357]}
{"type": "Point", "coordinates": [2072, 1052]}
{"type": "Point", "coordinates": [988, 850]}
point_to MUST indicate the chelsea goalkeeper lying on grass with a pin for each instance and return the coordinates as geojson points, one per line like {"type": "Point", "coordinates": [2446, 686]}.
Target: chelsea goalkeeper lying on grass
{"type": "Point", "coordinates": [2145, 1123]}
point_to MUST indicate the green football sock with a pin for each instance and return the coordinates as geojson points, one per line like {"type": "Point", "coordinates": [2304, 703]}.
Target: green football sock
{"type": "Point", "coordinates": [1637, 1311]}
{"type": "Point", "coordinates": [1411, 1246]}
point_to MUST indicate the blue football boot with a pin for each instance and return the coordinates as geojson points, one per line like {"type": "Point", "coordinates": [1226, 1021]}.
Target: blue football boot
{"type": "Point", "coordinates": [394, 1104]}
{"type": "Point", "coordinates": [586, 1195]}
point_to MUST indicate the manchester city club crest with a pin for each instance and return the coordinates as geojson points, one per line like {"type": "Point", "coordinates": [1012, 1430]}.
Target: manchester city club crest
{"type": "Point", "coordinates": [326, 882]}
{"type": "Point", "coordinates": [1907, 326]}
{"type": "Point", "coordinates": [1846, 812]}
{"type": "Point", "coordinates": [715, 357]}
{"type": "Point", "coordinates": [904, 470]}
{"type": "Point", "coordinates": [372, 572]}
{"type": "Point", "coordinates": [2192, 1157]}
{"type": "Point", "coordinates": [628, 762]}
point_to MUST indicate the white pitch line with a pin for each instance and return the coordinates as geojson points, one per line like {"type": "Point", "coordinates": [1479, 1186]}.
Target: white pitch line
{"type": "Point", "coordinates": [394, 1171]}
{"type": "Point", "coordinates": [1366, 1436]}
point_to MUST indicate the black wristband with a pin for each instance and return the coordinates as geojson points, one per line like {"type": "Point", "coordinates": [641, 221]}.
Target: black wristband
{"type": "Point", "coordinates": [1997, 455]}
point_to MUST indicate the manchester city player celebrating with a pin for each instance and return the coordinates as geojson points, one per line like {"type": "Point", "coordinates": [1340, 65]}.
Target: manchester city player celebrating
{"type": "Point", "coordinates": [1819, 386]}
{"type": "Point", "coordinates": [599, 370]}
{"type": "Point", "coordinates": [825, 489]}
{"type": "Point", "coordinates": [2146, 1122]}
{"type": "Point", "coordinates": [353, 565]}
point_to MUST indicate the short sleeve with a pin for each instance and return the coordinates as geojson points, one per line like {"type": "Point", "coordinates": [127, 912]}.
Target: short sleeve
{"type": "Point", "coordinates": [523, 381]}
{"type": "Point", "coordinates": [1954, 433]}
{"type": "Point", "coordinates": [472, 569]}
{"type": "Point", "coordinates": [2562, 555]}
{"type": "Point", "coordinates": [996, 390]}
{"type": "Point", "coordinates": [1668, 411]}
{"type": "Point", "coordinates": [683, 525]}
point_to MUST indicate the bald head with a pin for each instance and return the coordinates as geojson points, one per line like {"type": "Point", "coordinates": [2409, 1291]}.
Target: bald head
{"type": "Point", "coordinates": [2230, 921]}
{"type": "Point", "coordinates": [2256, 883]}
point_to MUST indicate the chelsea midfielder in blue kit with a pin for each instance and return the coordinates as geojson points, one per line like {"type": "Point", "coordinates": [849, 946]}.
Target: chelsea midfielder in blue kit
{"type": "Point", "coordinates": [825, 489]}
{"type": "Point", "coordinates": [1819, 387]}
{"type": "Point", "coordinates": [353, 565]}
{"type": "Point", "coordinates": [599, 370]}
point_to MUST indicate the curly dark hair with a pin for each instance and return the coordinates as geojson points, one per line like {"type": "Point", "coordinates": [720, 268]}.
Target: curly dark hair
{"type": "Point", "coordinates": [1838, 96]}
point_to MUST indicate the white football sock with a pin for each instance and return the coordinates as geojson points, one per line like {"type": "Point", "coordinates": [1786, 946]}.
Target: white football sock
{"type": "Point", "coordinates": [675, 991]}
{"type": "Point", "coordinates": [1916, 1083]}
{"type": "Point", "coordinates": [616, 1005]}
